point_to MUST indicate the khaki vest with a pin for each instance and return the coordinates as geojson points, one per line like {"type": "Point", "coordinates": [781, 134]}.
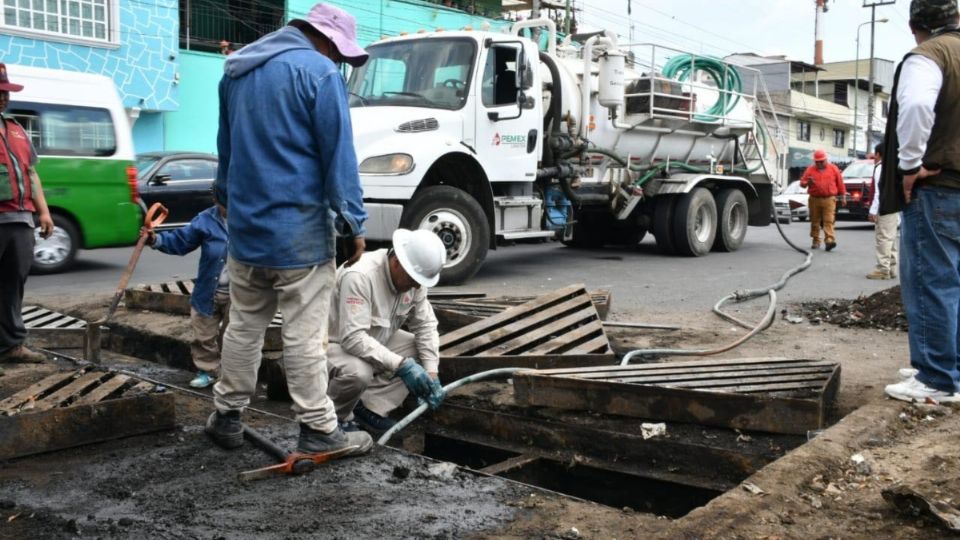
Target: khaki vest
{"type": "Point", "coordinates": [943, 147]}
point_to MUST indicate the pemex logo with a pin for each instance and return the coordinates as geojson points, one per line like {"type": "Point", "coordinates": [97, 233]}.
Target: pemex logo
{"type": "Point", "coordinates": [496, 139]}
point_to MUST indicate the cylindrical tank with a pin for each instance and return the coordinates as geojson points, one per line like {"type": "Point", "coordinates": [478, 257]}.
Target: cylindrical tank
{"type": "Point", "coordinates": [611, 84]}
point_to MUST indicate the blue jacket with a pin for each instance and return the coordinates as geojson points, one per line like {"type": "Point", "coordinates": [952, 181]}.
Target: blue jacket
{"type": "Point", "coordinates": [208, 232]}
{"type": "Point", "coordinates": [287, 162]}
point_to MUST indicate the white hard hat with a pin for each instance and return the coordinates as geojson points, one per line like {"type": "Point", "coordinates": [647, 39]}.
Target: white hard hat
{"type": "Point", "coordinates": [421, 254]}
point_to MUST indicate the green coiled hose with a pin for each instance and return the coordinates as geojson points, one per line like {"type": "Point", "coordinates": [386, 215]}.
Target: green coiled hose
{"type": "Point", "coordinates": [727, 79]}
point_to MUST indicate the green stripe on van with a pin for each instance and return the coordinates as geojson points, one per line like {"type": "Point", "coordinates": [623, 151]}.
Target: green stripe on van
{"type": "Point", "coordinates": [94, 192]}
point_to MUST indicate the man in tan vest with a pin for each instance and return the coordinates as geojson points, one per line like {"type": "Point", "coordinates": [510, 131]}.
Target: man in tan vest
{"type": "Point", "coordinates": [923, 135]}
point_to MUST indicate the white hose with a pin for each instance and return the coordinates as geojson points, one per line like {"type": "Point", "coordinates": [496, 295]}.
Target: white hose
{"type": "Point", "coordinates": [493, 373]}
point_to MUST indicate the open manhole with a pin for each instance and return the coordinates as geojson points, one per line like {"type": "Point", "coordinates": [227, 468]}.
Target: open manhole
{"type": "Point", "coordinates": [593, 483]}
{"type": "Point", "coordinates": [603, 458]}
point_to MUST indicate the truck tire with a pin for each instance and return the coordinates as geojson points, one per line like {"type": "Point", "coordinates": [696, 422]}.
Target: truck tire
{"type": "Point", "coordinates": [663, 223]}
{"type": "Point", "coordinates": [57, 253]}
{"type": "Point", "coordinates": [459, 221]}
{"type": "Point", "coordinates": [733, 219]}
{"type": "Point", "coordinates": [695, 223]}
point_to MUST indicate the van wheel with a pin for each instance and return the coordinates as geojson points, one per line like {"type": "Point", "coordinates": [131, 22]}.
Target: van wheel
{"type": "Point", "coordinates": [695, 223]}
{"type": "Point", "coordinates": [733, 213]}
{"type": "Point", "coordinates": [456, 217]}
{"type": "Point", "coordinates": [57, 253]}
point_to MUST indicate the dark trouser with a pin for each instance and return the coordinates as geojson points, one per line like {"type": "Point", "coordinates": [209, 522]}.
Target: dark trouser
{"type": "Point", "coordinates": [16, 256]}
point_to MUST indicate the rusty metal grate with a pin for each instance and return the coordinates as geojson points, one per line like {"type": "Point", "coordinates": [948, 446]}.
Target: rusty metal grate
{"type": "Point", "coordinates": [777, 395]}
{"type": "Point", "coordinates": [81, 387]}
{"type": "Point", "coordinates": [459, 312]}
{"type": "Point", "coordinates": [554, 330]}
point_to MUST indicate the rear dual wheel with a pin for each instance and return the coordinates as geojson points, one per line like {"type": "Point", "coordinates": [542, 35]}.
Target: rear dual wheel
{"type": "Point", "coordinates": [691, 224]}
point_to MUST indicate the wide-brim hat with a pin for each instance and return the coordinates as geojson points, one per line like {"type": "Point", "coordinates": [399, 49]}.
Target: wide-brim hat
{"type": "Point", "coordinates": [5, 84]}
{"type": "Point", "coordinates": [341, 28]}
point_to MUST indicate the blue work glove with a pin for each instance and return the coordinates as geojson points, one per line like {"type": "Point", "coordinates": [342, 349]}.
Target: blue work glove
{"type": "Point", "coordinates": [420, 384]}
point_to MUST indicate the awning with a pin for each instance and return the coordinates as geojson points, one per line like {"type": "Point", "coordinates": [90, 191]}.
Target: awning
{"type": "Point", "coordinates": [803, 157]}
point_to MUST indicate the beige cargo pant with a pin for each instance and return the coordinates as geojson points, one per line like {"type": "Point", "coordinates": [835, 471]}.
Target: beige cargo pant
{"type": "Point", "coordinates": [886, 242]}
{"type": "Point", "coordinates": [823, 213]}
{"type": "Point", "coordinates": [303, 298]}
{"type": "Point", "coordinates": [353, 379]}
{"type": "Point", "coordinates": [208, 333]}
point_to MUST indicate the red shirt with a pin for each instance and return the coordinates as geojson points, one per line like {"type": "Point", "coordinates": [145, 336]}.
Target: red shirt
{"type": "Point", "coordinates": [825, 183]}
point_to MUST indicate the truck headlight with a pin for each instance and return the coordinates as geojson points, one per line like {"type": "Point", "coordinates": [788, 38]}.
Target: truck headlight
{"type": "Point", "coordinates": [388, 164]}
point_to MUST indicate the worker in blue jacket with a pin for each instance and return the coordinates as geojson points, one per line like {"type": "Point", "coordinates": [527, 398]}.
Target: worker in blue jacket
{"type": "Point", "coordinates": [289, 176]}
{"type": "Point", "coordinates": [210, 300]}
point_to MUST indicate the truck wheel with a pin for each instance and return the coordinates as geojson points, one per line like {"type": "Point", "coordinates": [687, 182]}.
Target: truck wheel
{"type": "Point", "coordinates": [458, 220]}
{"type": "Point", "coordinates": [734, 216]}
{"type": "Point", "coordinates": [663, 223]}
{"type": "Point", "coordinates": [695, 222]}
{"type": "Point", "coordinates": [57, 253]}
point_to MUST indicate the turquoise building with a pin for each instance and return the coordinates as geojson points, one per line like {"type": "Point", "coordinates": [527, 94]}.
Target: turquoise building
{"type": "Point", "coordinates": [166, 56]}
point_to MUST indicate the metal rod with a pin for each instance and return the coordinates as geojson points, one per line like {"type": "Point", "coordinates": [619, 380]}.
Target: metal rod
{"type": "Point", "coordinates": [264, 443]}
{"type": "Point", "coordinates": [614, 324]}
{"type": "Point", "coordinates": [194, 393]}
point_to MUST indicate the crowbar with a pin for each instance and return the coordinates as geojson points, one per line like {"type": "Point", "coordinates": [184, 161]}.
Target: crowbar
{"type": "Point", "coordinates": [91, 343]}
{"type": "Point", "coordinates": [290, 463]}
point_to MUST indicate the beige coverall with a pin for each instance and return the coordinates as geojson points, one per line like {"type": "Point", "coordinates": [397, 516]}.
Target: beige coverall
{"type": "Point", "coordinates": [366, 343]}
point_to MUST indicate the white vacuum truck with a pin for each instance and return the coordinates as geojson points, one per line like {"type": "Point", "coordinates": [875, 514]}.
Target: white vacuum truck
{"type": "Point", "coordinates": [484, 139]}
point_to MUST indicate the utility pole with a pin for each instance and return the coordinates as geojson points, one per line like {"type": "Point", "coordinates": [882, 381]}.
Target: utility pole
{"type": "Point", "coordinates": [872, 4]}
{"type": "Point", "coordinates": [566, 19]}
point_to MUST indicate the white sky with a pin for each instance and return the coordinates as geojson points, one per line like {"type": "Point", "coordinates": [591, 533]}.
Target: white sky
{"type": "Point", "coordinates": [720, 27]}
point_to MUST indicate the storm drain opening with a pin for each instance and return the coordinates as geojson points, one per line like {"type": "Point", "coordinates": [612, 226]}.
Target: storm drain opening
{"type": "Point", "coordinates": [593, 483]}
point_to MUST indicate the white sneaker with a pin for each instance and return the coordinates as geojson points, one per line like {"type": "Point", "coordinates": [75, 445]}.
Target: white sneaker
{"type": "Point", "coordinates": [907, 373]}
{"type": "Point", "coordinates": [914, 390]}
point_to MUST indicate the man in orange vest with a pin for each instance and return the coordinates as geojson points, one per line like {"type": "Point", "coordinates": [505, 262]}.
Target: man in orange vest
{"type": "Point", "coordinates": [21, 196]}
{"type": "Point", "coordinates": [824, 182]}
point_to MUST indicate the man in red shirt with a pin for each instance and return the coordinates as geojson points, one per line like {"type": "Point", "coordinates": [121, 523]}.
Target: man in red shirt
{"type": "Point", "coordinates": [824, 183]}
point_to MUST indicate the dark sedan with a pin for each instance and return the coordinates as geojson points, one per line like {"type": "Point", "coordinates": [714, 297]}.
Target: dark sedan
{"type": "Point", "coordinates": [180, 181]}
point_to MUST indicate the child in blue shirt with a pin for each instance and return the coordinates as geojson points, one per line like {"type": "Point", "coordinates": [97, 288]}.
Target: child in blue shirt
{"type": "Point", "coordinates": [210, 301]}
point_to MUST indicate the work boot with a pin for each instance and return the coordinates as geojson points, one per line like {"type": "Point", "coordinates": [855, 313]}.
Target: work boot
{"type": "Point", "coordinates": [878, 274]}
{"type": "Point", "coordinates": [225, 429]}
{"type": "Point", "coordinates": [831, 245]}
{"type": "Point", "coordinates": [313, 441]}
{"type": "Point", "coordinates": [370, 421]}
{"type": "Point", "coordinates": [18, 354]}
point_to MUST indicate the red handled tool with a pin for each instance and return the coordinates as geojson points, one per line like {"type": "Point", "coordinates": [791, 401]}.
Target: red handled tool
{"type": "Point", "coordinates": [290, 463]}
{"type": "Point", "coordinates": [155, 216]}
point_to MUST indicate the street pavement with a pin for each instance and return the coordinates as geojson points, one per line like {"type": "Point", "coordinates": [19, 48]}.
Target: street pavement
{"type": "Point", "coordinates": [638, 277]}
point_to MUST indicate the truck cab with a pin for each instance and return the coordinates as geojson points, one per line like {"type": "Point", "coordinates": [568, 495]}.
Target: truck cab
{"type": "Point", "coordinates": [447, 130]}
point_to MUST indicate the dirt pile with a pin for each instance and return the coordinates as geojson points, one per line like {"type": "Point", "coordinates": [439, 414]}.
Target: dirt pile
{"type": "Point", "coordinates": [882, 310]}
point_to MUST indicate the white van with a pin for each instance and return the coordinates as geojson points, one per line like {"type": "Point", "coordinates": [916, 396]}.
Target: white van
{"type": "Point", "coordinates": [82, 135]}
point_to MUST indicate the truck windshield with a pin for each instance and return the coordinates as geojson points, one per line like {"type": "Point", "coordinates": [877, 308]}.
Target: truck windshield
{"type": "Point", "coordinates": [429, 72]}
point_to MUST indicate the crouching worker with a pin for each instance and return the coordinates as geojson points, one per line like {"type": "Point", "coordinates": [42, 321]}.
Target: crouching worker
{"type": "Point", "coordinates": [372, 363]}
{"type": "Point", "coordinates": [210, 301]}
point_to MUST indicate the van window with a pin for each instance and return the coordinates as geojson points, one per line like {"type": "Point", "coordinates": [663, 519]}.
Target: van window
{"type": "Point", "coordinates": [59, 130]}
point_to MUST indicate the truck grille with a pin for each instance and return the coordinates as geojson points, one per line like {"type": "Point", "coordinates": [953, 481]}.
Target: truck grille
{"type": "Point", "coordinates": [416, 126]}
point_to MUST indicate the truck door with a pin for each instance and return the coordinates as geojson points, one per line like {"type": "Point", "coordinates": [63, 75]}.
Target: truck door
{"type": "Point", "coordinates": [509, 116]}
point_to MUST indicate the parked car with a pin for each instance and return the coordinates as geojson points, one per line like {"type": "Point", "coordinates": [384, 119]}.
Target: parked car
{"type": "Point", "coordinates": [181, 181]}
{"type": "Point", "coordinates": [858, 179]}
{"type": "Point", "coordinates": [80, 131]}
{"type": "Point", "coordinates": [792, 202]}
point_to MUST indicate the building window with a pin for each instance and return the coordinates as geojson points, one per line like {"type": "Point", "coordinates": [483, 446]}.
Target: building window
{"type": "Point", "coordinates": [839, 137]}
{"type": "Point", "coordinates": [803, 131]}
{"type": "Point", "coordinates": [884, 109]}
{"type": "Point", "coordinates": [77, 19]}
{"type": "Point", "coordinates": [840, 93]}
